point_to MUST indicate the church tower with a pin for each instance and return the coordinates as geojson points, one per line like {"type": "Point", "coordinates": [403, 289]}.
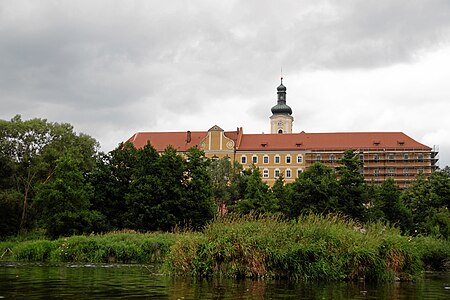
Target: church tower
{"type": "Point", "coordinates": [281, 119]}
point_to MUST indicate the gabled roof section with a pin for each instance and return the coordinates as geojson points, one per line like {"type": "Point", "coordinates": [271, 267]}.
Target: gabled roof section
{"type": "Point", "coordinates": [329, 141]}
{"type": "Point", "coordinates": [181, 141]}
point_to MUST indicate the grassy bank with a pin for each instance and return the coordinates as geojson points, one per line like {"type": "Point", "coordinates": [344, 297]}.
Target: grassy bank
{"type": "Point", "coordinates": [114, 247]}
{"type": "Point", "coordinates": [315, 247]}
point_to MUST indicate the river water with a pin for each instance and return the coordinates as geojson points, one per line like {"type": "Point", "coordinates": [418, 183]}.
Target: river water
{"type": "Point", "coordinates": [75, 281]}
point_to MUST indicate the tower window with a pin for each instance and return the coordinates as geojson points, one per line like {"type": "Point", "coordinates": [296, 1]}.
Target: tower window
{"type": "Point", "coordinates": [280, 131]}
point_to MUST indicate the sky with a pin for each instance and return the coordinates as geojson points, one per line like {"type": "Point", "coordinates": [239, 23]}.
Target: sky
{"type": "Point", "coordinates": [113, 68]}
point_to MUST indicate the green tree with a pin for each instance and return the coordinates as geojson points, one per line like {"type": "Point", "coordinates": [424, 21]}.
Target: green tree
{"type": "Point", "coordinates": [428, 200]}
{"type": "Point", "coordinates": [146, 192]}
{"type": "Point", "coordinates": [280, 193]}
{"type": "Point", "coordinates": [221, 174]}
{"type": "Point", "coordinates": [30, 150]}
{"type": "Point", "coordinates": [65, 201]}
{"type": "Point", "coordinates": [198, 207]}
{"type": "Point", "coordinates": [314, 191]}
{"type": "Point", "coordinates": [390, 203]}
{"type": "Point", "coordinates": [111, 181]}
{"type": "Point", "coordinates": [168, 190]}
{"type": "Point", "coordinates": [353, 193]}
{"type": "Point", "coordinates": [9, 212]}
{"type": "Point", "coordinates": [257, 197]}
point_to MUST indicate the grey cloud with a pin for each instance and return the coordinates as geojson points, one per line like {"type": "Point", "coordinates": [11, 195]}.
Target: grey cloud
{"type": "Point", "coordinates": [116, 62]}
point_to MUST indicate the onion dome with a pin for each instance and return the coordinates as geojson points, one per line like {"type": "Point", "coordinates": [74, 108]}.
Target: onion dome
{"type": "Point", "coordinates": [281, 108]}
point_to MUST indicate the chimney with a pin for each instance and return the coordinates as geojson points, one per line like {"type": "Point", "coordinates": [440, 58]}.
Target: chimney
{"type": "Point", "coordinates": [188, 137]}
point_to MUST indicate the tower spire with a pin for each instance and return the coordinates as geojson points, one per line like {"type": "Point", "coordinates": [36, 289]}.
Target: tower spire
{"type": "Point", "coordinates": [281, 119]}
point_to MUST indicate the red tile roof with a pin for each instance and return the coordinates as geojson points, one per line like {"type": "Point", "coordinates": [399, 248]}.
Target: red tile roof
{"type": "Point", "coordinates": [160, 140]}
{"type": "Point", "coordinates": [329, 141]}
{"type": "Point", "coordinates": [294, 141]}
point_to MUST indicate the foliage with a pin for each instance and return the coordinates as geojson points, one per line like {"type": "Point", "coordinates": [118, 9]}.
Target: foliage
{"type": "Point", "coordinates": [390, 204]}
{"type": "Point", "coordinates": [198, 205]}
{"type": "Point", "coordinates": [228, 182]}
{"type": "Point", "coordinates": [257, 197]}
{"type": "Point", "coordinates": [29, 151]}
{"type": "Point", "coordinates": [314, 191]}
{"type": "Point", "coordinates": [352, 188]}
{"type": "Point", "coordinates": [168, 190]}
{"type": "Point", "coordinates": [111, 183]}
{"type": "Point", "coordinates": [114, 247]}
{"type": "Point", "coordinates": [65, 202]}
{"type": "Point", "coordinates": [314, 247]}
{"type": "Point", "coordinates": [10, 209]}
{"type": "Point", "coordinates": [428, 200]}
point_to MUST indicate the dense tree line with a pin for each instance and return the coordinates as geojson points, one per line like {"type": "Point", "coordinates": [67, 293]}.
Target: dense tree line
{"type": "Point", "coordinates": [420, 209]}
{"type": "Point", "coordinates": [55, 179]}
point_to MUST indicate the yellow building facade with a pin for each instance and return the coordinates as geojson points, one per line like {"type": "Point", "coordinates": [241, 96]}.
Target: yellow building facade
{"type": "Point", "coordinates": [282, 152]}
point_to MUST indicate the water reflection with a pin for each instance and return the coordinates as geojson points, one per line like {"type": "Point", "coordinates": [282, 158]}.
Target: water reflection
{"type": "Point", "coordinates": [38, 281]}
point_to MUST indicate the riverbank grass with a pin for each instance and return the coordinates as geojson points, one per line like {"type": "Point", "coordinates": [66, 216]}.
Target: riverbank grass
{"type": "Point", "coordinates": [312, 248]}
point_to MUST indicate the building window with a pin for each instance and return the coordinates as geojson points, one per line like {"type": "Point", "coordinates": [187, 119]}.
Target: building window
{"type": "Point", "coordinates": [277, 159]}
{"type": "Point", "coordinates": [376, 172]}
{"type": "Point", "coordinates": [288, 159]}
{"type": "Point", "coordinates": [332, 158]}
{"type": "Point", "coordinates": [299, 171]}
{"type": "Point", "coordinates": [420, 157]}
{"type": "Point", "coordinates": [254, 159]}
{"type": "Point", "coordinates": [266, 159]}
{"type": "Point", "coordinates": [405, 172]}
{"type": "Point", "coordinates": [391, 172]}
{"type": "Point", "coordinates": [391, 156]}
{"type": "Point", "coordinates": [419, 171]}
{"type": "Point", "coordinates": [361, 157]}
{"type": "Point", "coordinates": [376, 157]}
{"type": "Point", "coordinates": [405, 156]}
{"type": "Point", "coordinates": [299, 159]}
{"type": "Point", "coordinates": [288, 173]}
{"type": "Point", "coordinates": [318, 157]}
{"type": "Point", "coordinates": [277, 173]}
{"type": "Point", "coordinates": [266, 173]}
{"type": "Point", "coordinates": [243, 159]}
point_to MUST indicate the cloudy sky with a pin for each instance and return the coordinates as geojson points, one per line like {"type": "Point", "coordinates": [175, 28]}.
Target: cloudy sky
{"type": "Point", "coordinates": [112, 68]}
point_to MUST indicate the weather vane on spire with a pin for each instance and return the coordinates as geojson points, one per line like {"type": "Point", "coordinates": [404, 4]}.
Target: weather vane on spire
{"type": "Point", "coordinates": [281, 72]}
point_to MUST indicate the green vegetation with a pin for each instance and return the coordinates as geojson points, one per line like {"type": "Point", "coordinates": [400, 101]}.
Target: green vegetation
{"type": "Point", "coordinates": [313, 248]}
{"type": "Point", "coordinates": [54, 184]}
{"type": "Point", "coordinates": [114, 247]}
